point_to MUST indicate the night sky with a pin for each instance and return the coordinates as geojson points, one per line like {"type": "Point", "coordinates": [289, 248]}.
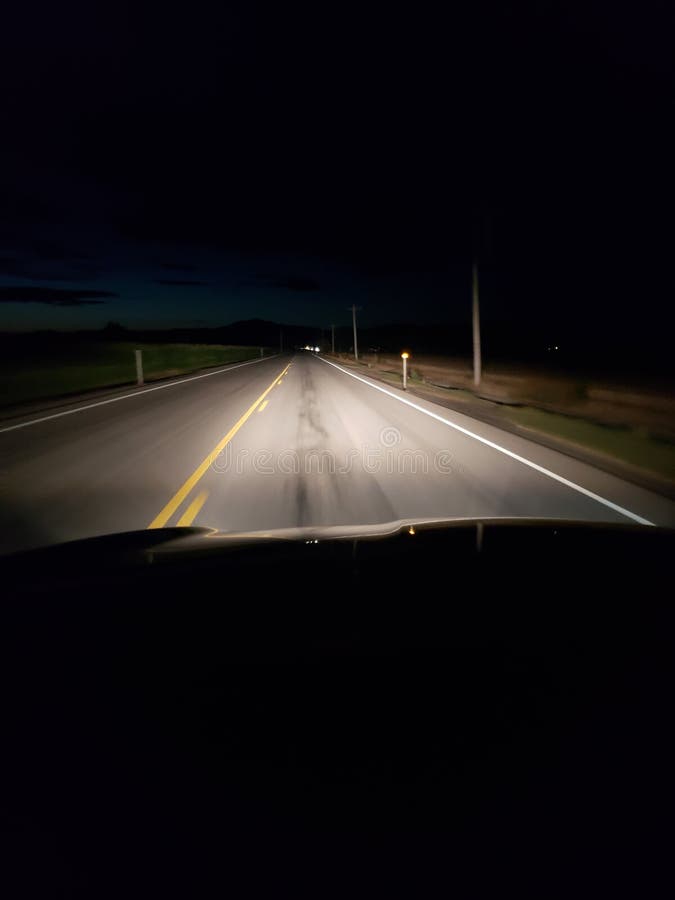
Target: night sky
{"type": "Point", "coordinates": [197, 164]}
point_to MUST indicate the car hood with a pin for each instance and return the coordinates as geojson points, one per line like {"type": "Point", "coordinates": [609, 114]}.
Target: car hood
{"type": "Point", "coordinates": [153, 546]}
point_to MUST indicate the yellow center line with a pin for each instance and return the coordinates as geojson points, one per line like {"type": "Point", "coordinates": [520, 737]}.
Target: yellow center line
{"type": "Point", "coordinates": [263, 405]}
{"type": "Point", "coordinates": [180, 495]}
{"type": "Point", "coordinates": [188, 516]}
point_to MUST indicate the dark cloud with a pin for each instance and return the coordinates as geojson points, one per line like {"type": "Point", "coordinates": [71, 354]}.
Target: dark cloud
{"type": "Point", "coordinates": [179, 267]}
{"type": "Point", "coordinates": [288, 282]}
{"type": "Point", "coordinates": [8, 265]}
{"type": "Point", "coordinates": [296, 283]}
{"type": "Point", "coordinates": [44, 259]}
{"type": "Point", "coordinates": [53, 250]}
{"type": "Point", "coordinates": [176, 282]}
{"type": "Point", "coordinates": [53, 296]}
{"type": "Point", "coordinates": [56, 270]}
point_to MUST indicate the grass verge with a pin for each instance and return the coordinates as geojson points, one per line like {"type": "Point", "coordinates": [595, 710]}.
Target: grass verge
{"type": "Point", "coordinates": [634, 446]}
{"type": "Point", "coordinates": [99, 365]}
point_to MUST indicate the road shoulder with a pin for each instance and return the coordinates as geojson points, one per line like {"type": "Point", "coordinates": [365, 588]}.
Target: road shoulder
{"type": "Point", "coordinates": [497, 415]}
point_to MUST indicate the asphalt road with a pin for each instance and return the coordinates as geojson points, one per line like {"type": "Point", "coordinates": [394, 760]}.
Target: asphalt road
{"type": "Point", "coordinates": [282, 442]}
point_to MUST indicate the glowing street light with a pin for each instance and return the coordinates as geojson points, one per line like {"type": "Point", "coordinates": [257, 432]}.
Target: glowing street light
{"type": "Point", "coordinates": [404, 357]}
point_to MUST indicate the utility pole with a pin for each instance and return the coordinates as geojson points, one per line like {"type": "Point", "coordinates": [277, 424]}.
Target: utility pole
{"type": "Point", "coordinates": [476, 326]}
{"type": "Point", "coordinates": [356, 346]}
{"type": "Point", "coordinates": [482, 242]}
{"type": "Point", "coordinates": [332, 339]}
{"type": "Point", "coordinates": [281, 341]}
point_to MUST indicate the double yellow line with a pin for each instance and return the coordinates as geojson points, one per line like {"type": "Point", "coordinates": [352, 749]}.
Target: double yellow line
{"type": "Point", "coordinates": [180, 495]}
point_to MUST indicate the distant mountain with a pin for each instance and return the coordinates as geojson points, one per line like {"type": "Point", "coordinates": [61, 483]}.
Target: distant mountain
{"type": "Point", "coordinates": [254, 332]}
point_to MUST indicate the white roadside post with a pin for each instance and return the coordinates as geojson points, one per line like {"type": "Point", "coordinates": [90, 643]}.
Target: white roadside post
{"type": "Point", "coordinates": [139, 367]}
{"type": "Point", "coordinates": [404, 357]}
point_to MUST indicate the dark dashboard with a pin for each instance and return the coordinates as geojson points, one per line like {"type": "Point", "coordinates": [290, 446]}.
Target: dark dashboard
{"type": "Point", "coordinates": [449, 708]}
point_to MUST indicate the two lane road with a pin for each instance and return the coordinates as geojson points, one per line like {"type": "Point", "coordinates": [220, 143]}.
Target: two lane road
{"type": "Point", "coordinates": [282, 442]}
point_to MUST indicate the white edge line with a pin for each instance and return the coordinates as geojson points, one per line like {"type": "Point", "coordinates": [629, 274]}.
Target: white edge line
{"type": "Point", "coordinates": [159, 387]}
{"type": "Point", "coordinates": [477, 437]}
